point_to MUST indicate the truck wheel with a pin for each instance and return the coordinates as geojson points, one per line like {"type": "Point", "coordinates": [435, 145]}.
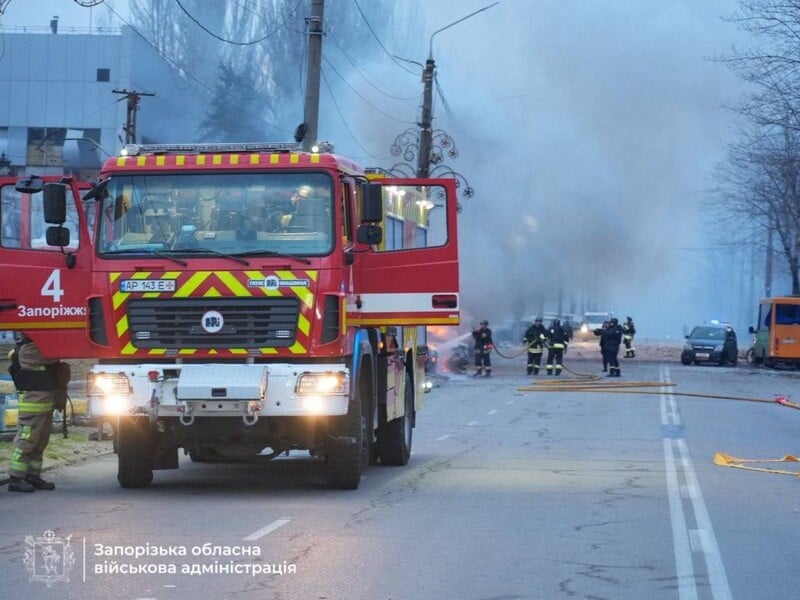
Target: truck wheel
{"type": "Point", "coordinates": [135, 450]}
{"type": "Point", "coordinates": [394, 437]}
{"type": "Point", "coordinates": [346, 447]}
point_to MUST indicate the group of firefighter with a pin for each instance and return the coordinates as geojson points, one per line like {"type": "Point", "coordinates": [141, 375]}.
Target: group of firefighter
{"type": "Point", "coordinates": [555, 339]}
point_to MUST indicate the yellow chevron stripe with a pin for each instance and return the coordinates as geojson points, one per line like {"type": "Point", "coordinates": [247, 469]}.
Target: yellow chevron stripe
{"type": "Point", "coordinates": [129, 349]}
{"type": "Point", "coordinates": [191, 284]}
{"type": "Point", "coordinates": [254, 159]}
{"type": "Point", "coordinates": [161, 160]}
{"type": "Point", "coordinates": [303, 324]}
{"type": "Point", "coordinates": [216, 159]}
{"type": "Point", "coordinates": [122, 325]}
{"type": "Point", "coordinates": [180, 160]}
{"type": "Point", "coordinates": [274, 159]}
{"type": "Point", "coordinates": [315, 158]}
{"type": "Point", "coordinates": [234, 159]}
{"type": "Point", "coordinates": [297, 348]}
{"type": "Point", "coordinates": [294, 158]}
{"type": "Point", "coordinates": [234, 285]}
{"type": "Point", "coordinates": [212, 293]}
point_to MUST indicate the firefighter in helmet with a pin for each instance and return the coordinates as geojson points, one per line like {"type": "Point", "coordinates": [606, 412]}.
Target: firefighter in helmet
{"type": "Point", "coordinates": [628, 331]}
{"type": "Point", "coordinates": [611, 340]}
{"type": "Point", "coordinates": [483, 349]}
{"type": "Point", "coordinates": [38, 382]}
{"type": "Point", "coordinates": [557, 343]}
{"type": "Point", "coordinates": [535, 338]}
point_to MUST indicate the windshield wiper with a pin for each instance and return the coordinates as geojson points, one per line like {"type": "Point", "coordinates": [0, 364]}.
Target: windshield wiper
{"type": "Point", "coordinates": [149, 251]}
{"type": "Point", "coordinates": [238, 259]}
{"type": "Point", "coordinates": [302, 259]}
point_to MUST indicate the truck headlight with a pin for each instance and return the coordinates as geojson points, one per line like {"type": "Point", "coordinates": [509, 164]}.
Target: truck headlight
{"type": "Point", "coordinates": [328, 383]}
{"type": "Point", "coordinates": [109, 393]}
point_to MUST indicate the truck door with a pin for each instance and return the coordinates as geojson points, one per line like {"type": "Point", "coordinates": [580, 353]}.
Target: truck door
{"type": "Point", "coordinates": [44, 287]}
{"type": "Point", "coordinates": [409, 277]}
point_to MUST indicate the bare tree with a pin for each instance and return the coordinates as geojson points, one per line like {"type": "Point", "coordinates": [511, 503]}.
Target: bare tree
{"type": "Point", "coordinates": [761, 184]}
{"type": "Point", "coordinates": [761, 179]}
{"type": "Point", "coordinates": [259, 44]}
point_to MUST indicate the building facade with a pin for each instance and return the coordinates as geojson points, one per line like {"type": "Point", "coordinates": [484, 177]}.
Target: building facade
{"type": "Point", "coordinates": [64, 103]}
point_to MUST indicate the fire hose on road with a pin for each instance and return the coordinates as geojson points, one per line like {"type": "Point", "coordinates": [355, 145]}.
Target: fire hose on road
{"type": "Point", "coordinates": [591, 383]}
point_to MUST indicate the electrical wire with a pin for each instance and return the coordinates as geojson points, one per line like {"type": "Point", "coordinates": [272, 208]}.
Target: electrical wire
{"type": "Point", "coordinates": [336, 43]}
{"type": "Point", "coordinates": [189, 75]}
{"type": "Point", "coordinates": [227, 41]}
{"type": "Point", "coordinates": [377, 39]}
{"type": "Point", "coordinates": [387, 115]}
{"type": "Point", "coordinates": [344, 121]}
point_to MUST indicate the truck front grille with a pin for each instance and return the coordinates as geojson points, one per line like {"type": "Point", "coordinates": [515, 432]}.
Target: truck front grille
{"type": "Point", "coordinates": [213, 322]}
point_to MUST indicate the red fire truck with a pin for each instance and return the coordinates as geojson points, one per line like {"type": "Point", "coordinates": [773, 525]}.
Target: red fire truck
{"type": "Point", "coordinates": [240, 300]}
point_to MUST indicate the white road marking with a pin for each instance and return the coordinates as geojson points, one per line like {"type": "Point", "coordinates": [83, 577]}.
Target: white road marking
{"type": "Point", "coordinates": [266, 530]}
{"type": "Point", "coordinates": [441, 438]}
{"type": "Point", "coordinates": [471, 423]}
{"type": "Point", "coordinates": [510, 402]}
{"type": "Point", "coordinates": [685, 541]}
{"type": "Point", "coordinates": [492, 412]}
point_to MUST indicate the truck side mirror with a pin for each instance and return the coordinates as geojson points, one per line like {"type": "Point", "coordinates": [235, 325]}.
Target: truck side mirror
{"type": "Point", "coordinates": [369, 234]}
{"type": "Point", "coordinates": [371, 203]}
{"type": "Point", "coordinates": [54, 200]}
{"type": "Point", "coordinates": [57, 236]}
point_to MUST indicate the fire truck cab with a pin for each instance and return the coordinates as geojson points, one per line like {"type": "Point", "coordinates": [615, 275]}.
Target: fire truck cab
{"type": "Point", "coordinates": [241, 300]}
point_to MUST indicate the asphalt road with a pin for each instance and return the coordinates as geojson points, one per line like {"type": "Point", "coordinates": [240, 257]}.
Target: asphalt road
{"type": "Point", "coordinates": [509, 495]}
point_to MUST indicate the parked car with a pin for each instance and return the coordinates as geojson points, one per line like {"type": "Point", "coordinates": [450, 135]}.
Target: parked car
{"type": "Point", "coordinates": [714, 343]}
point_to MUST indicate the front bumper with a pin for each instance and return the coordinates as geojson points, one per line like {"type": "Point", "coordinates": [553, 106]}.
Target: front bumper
{"type": "Point", "coordinates": [219, 390]}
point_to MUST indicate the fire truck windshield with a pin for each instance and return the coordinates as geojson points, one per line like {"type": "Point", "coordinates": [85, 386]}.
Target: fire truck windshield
{"type": "Point", "coordinates": [230, 213]}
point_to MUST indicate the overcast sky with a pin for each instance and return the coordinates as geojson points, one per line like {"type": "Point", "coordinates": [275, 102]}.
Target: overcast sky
{"type": "Point", "coordinates": [589, 130]}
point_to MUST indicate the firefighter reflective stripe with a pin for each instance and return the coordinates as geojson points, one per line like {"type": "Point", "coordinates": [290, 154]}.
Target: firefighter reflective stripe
{"type": "Point", "coordinates": [400, 309]}
{"type": "Point", "coordinates": [18, 462]}
{"type": "Point", "coordinates": [35, 408]}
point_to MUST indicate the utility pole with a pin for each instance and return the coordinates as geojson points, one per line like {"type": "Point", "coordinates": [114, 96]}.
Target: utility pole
{"type": "Point", "coordinates": [768, 266]}
{"type": "Point", "coordinates": [130, 119]}
{"type": "Point", "coordinates": [311, 114]}
{"type": "Point", "coordinates": [426, 125]}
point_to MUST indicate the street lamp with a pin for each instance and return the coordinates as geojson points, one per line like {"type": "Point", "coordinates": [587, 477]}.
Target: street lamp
{"type": "Point", "coordinates": [428, 144]}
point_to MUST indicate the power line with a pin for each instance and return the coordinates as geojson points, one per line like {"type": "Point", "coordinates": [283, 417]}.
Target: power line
{"type": "Point", "coordinates": [359, 71]}
{"type": "Point", "coordinates": [344, 121]}
{"type": "Point", "coordinates": [367, 102]}
{"type": "Point", "coordinates": [380, 43]}
{"type": "Point", "coordinates": [235, 43]}
{"type": "Point", "coordinates": [189, 75]}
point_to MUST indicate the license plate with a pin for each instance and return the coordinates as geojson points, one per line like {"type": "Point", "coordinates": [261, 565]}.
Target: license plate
{"type": "Point", "coordinates": [702, 355]}
{"type": "Point", "coordinates": [147, 285]}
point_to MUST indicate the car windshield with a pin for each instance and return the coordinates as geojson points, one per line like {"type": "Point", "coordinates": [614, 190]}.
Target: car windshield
{"type": "Point", "coordinates": [234, 214]}
{"type": "Point", "coordinates": [709, 333]}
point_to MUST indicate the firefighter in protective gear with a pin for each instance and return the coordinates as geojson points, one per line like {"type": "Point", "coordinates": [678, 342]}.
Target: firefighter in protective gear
{"type": "Point", "coordinates": [611, 340]}
{"type": "Point", "coordinates": [36, 381]}
{"type": "Point", "coordinates": [535, 338]}
{"type": "Point", "coordinates": [599, 332]}
{"type": "Point", "coordinates": [483, 349]}
{"type": "Point", "coordinates": [628, 331]}
{"type": "Point", "coordinates": [557, 344]}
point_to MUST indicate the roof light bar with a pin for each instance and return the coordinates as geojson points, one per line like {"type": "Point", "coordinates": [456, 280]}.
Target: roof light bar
{"type": "Point", "coordinates": [141, 149]}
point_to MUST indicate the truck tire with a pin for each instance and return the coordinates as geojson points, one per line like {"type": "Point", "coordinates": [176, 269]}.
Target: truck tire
{"type": "Point", "coordinates": [135, 449]}
{"type": "Point", "coordinates": [345, 452]}
{"type": "Point", "coordinates": [394, 437]}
